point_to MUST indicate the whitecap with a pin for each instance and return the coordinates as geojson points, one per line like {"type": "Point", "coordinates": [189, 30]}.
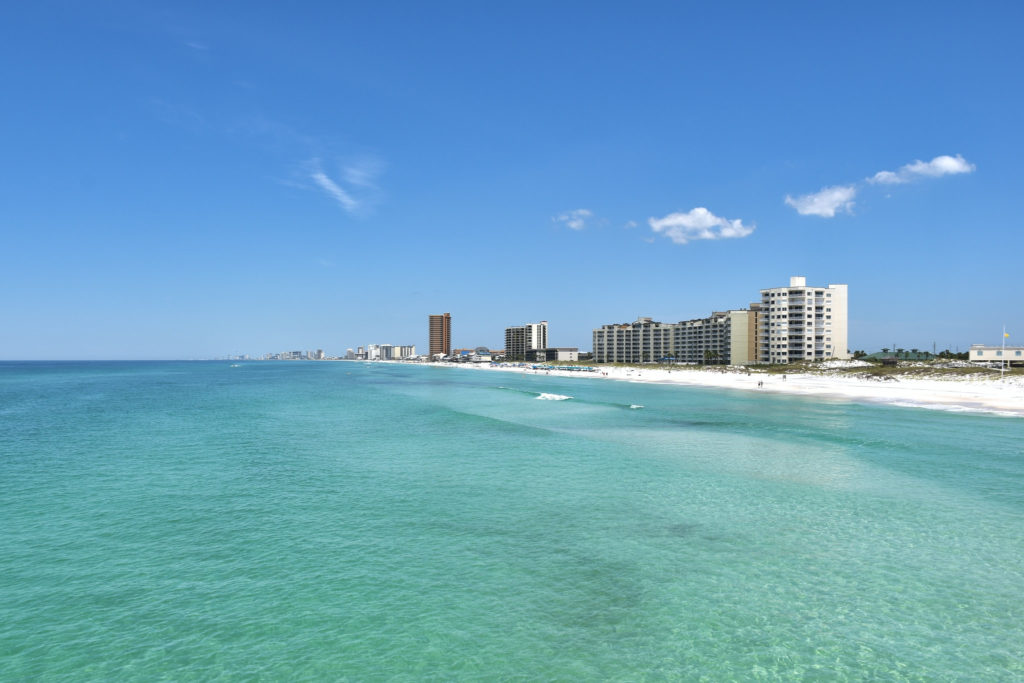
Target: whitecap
{"type": "Point", "coordinates": [954, 408]}
{"type": "Point", "coordinates": [553, 397]}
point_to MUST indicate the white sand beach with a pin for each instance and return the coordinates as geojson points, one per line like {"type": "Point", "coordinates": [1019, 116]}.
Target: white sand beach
{"type": "Point", "coordinates": [986, 393]}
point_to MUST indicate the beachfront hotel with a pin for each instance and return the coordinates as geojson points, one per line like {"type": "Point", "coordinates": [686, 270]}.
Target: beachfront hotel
{"type": "Point", "coordinates": [389, 352]}
{"type": "Point", "coordinates": [523, 338]}
{"type": "Point", "coordinates": [642, 341]}
{"type": "Point", "coordinates": [789, 324]}
{"type": "Point", "coordinates": [440, 334]}
{"type": "Point", "coordinates": [726, 337]}
{"type": "Point", "coordinates": [800, 323]}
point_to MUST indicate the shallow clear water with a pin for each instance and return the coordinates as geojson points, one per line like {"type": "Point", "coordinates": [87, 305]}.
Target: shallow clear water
{"type": "Point", "coordinates": [340, 520]}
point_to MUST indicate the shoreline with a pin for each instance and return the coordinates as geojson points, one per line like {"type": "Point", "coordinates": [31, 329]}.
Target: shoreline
{"type": "Point", "coordinates": [993, 396]}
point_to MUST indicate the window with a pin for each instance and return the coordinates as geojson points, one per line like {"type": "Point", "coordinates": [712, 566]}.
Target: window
{"type": "Point", "coordinates": [981, 353]}
{"type": "Point", "coordinates": [999, 353]}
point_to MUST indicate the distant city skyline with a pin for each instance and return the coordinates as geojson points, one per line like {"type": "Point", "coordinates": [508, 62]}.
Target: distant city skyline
{"type": "Point", "coordinates": [194, 180]}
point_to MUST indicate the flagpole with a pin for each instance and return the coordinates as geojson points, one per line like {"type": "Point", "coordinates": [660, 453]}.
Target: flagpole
{"type": "Point", "coordinates": [1002, 366]}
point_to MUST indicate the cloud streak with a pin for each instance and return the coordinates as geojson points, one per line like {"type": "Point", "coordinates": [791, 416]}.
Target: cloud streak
{"type": "Point", "coordinates": [335, 191]}
{"type": "Point", "coordinates": [355, 189]}
{"type": "Point", "coordinates": [574, 220]}
{"type": "Point", "coordinates": [828, 201]}
{"type": "Point", "coordinates": [698, 224]}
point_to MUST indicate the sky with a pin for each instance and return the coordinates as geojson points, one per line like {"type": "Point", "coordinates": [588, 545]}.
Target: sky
{"type": "Point", "coordinates": [193, 180]}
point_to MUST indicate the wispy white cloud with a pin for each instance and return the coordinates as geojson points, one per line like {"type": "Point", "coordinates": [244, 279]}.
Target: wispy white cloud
{"type": "Point", "coordinates": [829, 201]}
{"type": "Point", "coordinates": [196, 45]}
{"type": "Point", "coordinates": [937, 167]}
{"type": "Point", "coordinates": [698, 224]}
{"type": "Point", "coordinates": [825, 202]}
{"type": "Point", "coordinates": [356, 188]}
{"type": "Point", "coordinates": [364, 173]}
{"type": "Point", "coordinates": [630, 225]}
{"type": "Point", "coordinates": [575, 220]}
{"type": "Point", "coordinates": [335, 191]}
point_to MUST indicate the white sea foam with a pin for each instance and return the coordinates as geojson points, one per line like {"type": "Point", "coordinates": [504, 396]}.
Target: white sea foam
{"type": "Point", "coordinates": [955, 408]}
{"type": "Point", "coordinates": [553, 397]}
{"type": "Point", "coordinates": [635, 406]}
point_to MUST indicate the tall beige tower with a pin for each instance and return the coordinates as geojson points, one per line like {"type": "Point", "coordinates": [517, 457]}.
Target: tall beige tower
{"type": "Point", "coordinates": [441, 334]}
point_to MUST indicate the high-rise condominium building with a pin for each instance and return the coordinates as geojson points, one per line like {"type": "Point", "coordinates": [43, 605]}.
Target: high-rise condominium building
{"type": "Point", "coordinates": [528, 337]}
{"type": "Point", "coordinates": [802, 323]}
{"type": "Point", "coordinates": [441, 334]}
{"type": "Point", "coordinates": [726, 337]}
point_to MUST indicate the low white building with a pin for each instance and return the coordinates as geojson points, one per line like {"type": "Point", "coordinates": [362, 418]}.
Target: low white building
{"type": "Point", "coordinates": [982, 353]}
{"type": "Point", "coordinates": [562, 353]}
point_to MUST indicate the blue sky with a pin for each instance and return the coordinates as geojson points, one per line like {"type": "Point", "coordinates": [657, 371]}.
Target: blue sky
{"type": "Point", "coordinates": [189, 180]}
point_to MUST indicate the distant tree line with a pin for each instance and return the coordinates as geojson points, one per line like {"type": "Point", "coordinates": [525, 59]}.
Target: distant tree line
{"type": "Point", "coordinates": [915, 354]}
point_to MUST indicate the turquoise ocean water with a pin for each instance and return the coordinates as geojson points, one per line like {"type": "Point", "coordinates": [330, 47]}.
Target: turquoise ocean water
{"type": "Point", "coordinates": [194, 521]}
